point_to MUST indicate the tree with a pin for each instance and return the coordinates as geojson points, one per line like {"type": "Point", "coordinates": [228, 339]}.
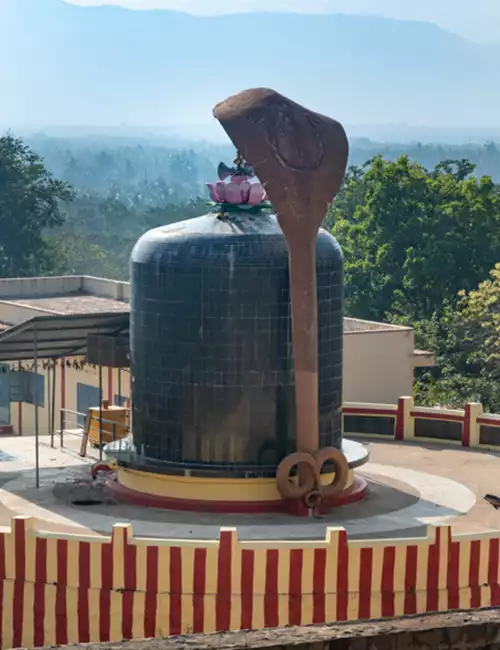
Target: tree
{"type": "Point", "coordinates": [30, 206]}
{"type": "Point", "coordinates": [412, 238]}
{"type": "Point", "coordinates": [467, 342]}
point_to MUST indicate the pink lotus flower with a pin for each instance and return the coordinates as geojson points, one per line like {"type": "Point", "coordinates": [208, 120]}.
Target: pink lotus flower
{"type": "Point", "coordinates": [239, 191]}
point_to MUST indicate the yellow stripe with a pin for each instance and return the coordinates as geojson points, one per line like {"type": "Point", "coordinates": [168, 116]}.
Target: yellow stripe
{"type": "Point", "coordinates": [73, 613]}
{"type": "Point", "coordinates": [162, 616]}
{"type": "Point", "coordinates": [422, 566]}
{"type": "Point", "coordinates": [9, 556]}
{"type": "Point", "coordinates": [116, 616]}
{"type": "Point", "coordinates": [141, 551]}
{"type": "Point", "coordinates": [399, 579]}
{"type": "Point", "coordinates": [72, 573]}
{"type": "Point", "coordinates": [28, 620]}
{"type": "Point", "coordinates": [163, 605]}
{"type": "Point", "coordinates": [354, 568]}
{"type": "Point", "coordinates": [49, 626]}
{"type": "Point", "coordinates": [259, 588]}
{"type": "Point", "coordinates": [30, 557]}
{"type": "Point", "coordinates": [332, 561]}
{"type": "Point", "coordinates": [283, 585]}
{"type": "Point", "coordinates": [95, 565]}
{"type": "Point", "coordinates": [120, 532]}
{"type": "Point", "coordinates": [210, 590]}
{"type": "Point", "coordinates": [94, 614]}
{"type": "Point", "coordinates": [206, 489]}
{"type": "Point", "coordinates": [443, 569]}
{"type": "Point", "coordinates": [307, 585]}
{"type": "Point", "coordinates": [235, 622]}
{"type": "Point", "coordinates": [51, 562]}
{"type": "Point", "coordinates": [484, 554]}
{"type": "Point", "coordinates": [376, 595]}
{"type": "Point", "coordinates": [187, 563]}
{"type": "Point", "coordinates": [138, 615]}
{"type": "Point", "coordinates": [463, 574]}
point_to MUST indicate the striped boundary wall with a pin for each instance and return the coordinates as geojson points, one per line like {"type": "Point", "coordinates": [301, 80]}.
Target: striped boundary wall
{"type": "Point", "coordinates": [468, 427]}
{"type": "Point", "coordinates": [59, 589]}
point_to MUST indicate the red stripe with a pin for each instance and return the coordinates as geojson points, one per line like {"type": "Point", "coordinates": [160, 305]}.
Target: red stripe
{"type": "Point", "coordinates": [40, 580]}
{"type": "Point", "coordinates": [130, 577]}
{"type": "Point", "coordinates": [351, 410]}
{"type": "Point", "coordinates": [2, 578]}
{"type": "Point", "coordinates": [20, 572]}
{"type": "Point", "coordinates": [105, 593]}
{"type": "Point", "coordinates": [319, 586]}
{"type": "Point", "coordinates": [200, 564]}
{"type": "Point", "coordinates": [223, 598]}
{"type": "Point", "coordinates": [151, 600]}
{"type": "Point", "coordinates": [493, 558]}
{"type": "Point", "coordinates": [387, 586]}
{"type": "Point", "coordinates": [399, 430]}
{"type": "Point", "coordinates": [365, 583]}
{"type": "Point", "coordinates": [83, 592]}
{"type": "Point", "coordinates": [175, 590]}
{"type": "Point", "coordinates": [475, 588]}
{"type": "Point", "coordinates": [61, 588]}
{"type": "Point", "coordinates": [494, 422]}
{"type": "Point", "coordinates": [410, 605]}
{"type": "Point", "coordinates": [452, 578]}
{"type": "Point", "coordinates": [433, 574]}
{"type": "Point", "coordinates": [295, 589]}
{"type": "Point", "coordinates": [271, 618]}
{"type": "Point", "coordinates": [247, 570]}
{"type": "Point", "coordinates": [436, 416]}
{"type": "Point", "coordinates": [342, 577]}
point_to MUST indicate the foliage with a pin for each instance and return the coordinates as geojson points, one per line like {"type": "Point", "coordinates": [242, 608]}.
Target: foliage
{"type": "Point", "coordinates": [30, 206]}
{"type": "Point", "coordinates": [413, 238]}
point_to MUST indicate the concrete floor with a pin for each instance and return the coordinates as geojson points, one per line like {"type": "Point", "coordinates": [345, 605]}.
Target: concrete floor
{"type": "Point", "coordinates": [410, 486]}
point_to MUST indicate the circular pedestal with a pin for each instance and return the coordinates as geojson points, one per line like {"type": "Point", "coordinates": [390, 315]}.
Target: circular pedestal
{"type": "Point", "coordinates": [148, 487]}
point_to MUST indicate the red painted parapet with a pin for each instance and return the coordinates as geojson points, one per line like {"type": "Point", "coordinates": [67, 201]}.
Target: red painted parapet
{"type": "Point", "coordinates": [468, 427]}
{"type": "Point", "coordinates": [60, 589]}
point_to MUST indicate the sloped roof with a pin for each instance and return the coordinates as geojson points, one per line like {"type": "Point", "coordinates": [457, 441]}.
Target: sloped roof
{"type": "Point", "coordinates": [55, 336]}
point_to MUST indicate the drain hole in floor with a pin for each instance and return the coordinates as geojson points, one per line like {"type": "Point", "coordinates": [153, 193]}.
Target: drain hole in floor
{"type": "Point", "coordinates": [86, 502]}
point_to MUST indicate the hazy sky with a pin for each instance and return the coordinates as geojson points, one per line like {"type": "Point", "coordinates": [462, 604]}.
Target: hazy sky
{"type": "Point", "coordinates": [475, 19]}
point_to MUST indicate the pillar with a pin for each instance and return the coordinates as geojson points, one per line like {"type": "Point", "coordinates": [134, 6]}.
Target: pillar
{"type": "Point", "coordinates": [470, 431]}
{"type": "Point", "coordinates": [405, 427]}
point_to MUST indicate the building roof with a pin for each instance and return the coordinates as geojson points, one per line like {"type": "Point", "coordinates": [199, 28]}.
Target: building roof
{"type": "Point", "coordinates": [79, 302]}
{"type": "Point", "coordinates": [55, 336]}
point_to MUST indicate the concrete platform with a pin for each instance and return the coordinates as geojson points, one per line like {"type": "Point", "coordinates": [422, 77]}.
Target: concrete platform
{"type": "Point", "coordinates": [409, 486]}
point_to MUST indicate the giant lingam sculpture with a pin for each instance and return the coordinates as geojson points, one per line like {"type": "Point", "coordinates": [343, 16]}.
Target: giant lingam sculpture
{"type": "Point", "coordinates": [236, 330]}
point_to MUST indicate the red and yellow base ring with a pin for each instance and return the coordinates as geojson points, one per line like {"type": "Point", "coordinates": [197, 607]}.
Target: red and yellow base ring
{"type": "Point", "coordinates": [252, 495]}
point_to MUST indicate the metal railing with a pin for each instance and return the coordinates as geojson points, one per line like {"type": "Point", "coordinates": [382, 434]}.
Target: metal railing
{"type": "Point", "coordinates": [71, 429]}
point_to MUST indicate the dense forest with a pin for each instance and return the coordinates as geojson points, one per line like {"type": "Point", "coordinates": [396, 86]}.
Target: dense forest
{"type": "Point", "coordinates": [419, 225]}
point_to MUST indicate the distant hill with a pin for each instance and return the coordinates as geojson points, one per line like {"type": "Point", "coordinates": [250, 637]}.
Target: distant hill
{"type": "Point", "coordinates": [66, 65]}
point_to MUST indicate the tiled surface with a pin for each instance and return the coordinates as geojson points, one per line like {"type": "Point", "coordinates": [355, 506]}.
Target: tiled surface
{"type": "Point", "coordinates": [211, 342]}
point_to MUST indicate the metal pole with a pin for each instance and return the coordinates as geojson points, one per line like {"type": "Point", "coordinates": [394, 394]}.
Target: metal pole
{"type": "Point", "coordinates": [120, 387]}
{"type": "Point", "coordinates": [100, 412]}
{"type": "Point", "coordinates": [53, 422]}
{"type": "Point", "coordinates": [62, 424]}
{"type": "Point", "coordinates": [37, 431]}
{"type": "Point", "coordinates": [49, 393]}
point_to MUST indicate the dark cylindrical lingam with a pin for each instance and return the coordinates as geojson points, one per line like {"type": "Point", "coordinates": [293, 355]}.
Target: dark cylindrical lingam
{"type": "Point", "coordinates": [211, 343]}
